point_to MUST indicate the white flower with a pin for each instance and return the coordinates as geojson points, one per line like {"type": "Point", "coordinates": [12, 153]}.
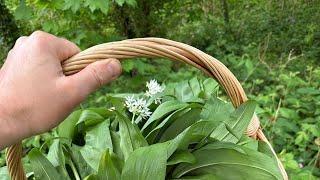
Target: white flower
{"type": "Point", "coordinates": [153, 88]}
{"type": "Point", "coordinates": [129, 100]}
{"type": "Point", "coordinates": [137, 107]}
{"type": "Point", "coordinates": [112, 109]}
{"type": "Point", "coordinates": [157, 101]}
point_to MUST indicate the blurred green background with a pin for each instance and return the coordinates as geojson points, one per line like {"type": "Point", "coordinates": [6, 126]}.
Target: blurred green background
{"type": "Point", "coordinates": [272, 46]}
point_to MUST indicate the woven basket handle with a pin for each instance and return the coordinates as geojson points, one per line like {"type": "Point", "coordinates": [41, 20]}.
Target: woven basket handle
{"type": "Point", "coordinates": [153, 47]}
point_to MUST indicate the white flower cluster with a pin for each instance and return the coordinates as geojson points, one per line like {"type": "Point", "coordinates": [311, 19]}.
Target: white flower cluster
{"type": "Point", "coordinates": [153, 88]}
{"type": "Point", "coordinates": [138, 106]}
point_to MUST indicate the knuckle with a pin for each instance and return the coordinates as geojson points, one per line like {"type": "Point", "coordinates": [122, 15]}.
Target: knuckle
{"type": "Point", "coordinates": [38, 33]}
{"type": "Point", "coordinates": [10, 53]}
{"type": "Point", "coordinates": [39, 38]}
{"type": "Point", "coordinates": [96, 76]}
{"type": "Point", "coordinates": [20, 40]}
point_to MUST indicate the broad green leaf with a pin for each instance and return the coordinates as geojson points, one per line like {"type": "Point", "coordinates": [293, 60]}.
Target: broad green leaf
{"type": "Point", "coordinates": [23, 12]}
{"type": "Point", "coordinates": [97, 139]}
{"type": "Point", "coordinates": [146, 163]}
{"type": "Point", "coordinates": [210, 87]}
{"type": "Point", "coordinates": [183, 91]}
{"type": "Point", "coordinates": [55, 154]}
{"type": "Point", "coordinates": [249, 142]}
{"type": "Point", "coordinates": [224, 145]}
{"type": "Point", "coordinates": [67, 128]}
{"type": "Point", "coordinates": [195, 133]}
{"type": "Point", "coordinates": [84, 169]}
{"type": "Point", "coordinates": [199, 177]}
{"type": "Point", "coordinates": [99, 136]}
{"type": "Point", "coordinates": [193, 90]}
{"type": "Point", "coordinates": [181, 156]}
{"type": "Point", "coordinates": [163, 122]}
{"type": "Point", "coordinates": [57, 158]}
{"type": "Point", "coordinates": [164, 109]}
{"type": "Point", "coordinates": [130, 136]}
{"type": "Point", "coordinates": [216, 110]}
{"type": "Point", "coordinates": [42, 167]}
{"type": "Point", "coordinates": [265, 149]}
{"type": "Point", "coordinates": [221, 161]}
{"type": "Point", "coordinates": [237, 123]}
{"type": "Point", "coordinates": [107, 170]}
{"type": "Point", "coordinates": [89, 117]}
{"type": "Point", "coordinates": [116, 141]}
{"type": "Point", "coordinates": [91, 155]}
{"type": "Point", "coordinates": [180, 124]}
{"type": "Point", "coordinates": [195, 86]}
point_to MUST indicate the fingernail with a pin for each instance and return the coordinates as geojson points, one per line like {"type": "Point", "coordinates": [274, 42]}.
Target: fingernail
{"type": "Point", "coordinates": [114, 67]}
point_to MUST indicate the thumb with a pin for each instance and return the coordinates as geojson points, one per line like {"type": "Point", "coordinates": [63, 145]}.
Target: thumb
{"type": "Point", "coordinates": [94, 76]}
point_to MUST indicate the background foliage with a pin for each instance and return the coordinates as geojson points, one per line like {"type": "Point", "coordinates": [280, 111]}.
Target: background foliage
{"type": "Point", "coordinates": [271, 46]}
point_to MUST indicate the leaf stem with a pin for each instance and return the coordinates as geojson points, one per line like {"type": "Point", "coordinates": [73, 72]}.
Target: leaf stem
{"type": "Point", "coordinates": [132, 120]}
{"type": "Point", "coordinates": [74, 170]}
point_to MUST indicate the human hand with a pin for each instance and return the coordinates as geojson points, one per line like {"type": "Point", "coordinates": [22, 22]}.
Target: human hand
{"type": "Point", "coordinates": [35, 95]}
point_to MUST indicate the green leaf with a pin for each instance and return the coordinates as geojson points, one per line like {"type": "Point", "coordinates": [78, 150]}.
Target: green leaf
{"type": "Point", "coordinates": [107, 170]}
{"type": "Point", "coordinates": [221, 161]}
{"type": "Point", "coordinates": [164, 109]}
{"type": "Point", "coordinates": [146, 163]}
{"type": "Point", "coordinates": [130, 136]}
{"type": "Point", "coordinates": [195, 86]}
{"type": "Point", "coordinates": [99, 136]}
{"type": "Point", "coordinates": [116, 141]}
{"type": "Point", "coordinates": [210, 87]}
{"type": "Point", "coordinates": [91, 177]}
{"type": "Point", "coordinates": [132, 3]}
{"type": "Point", "coordinates": [181, 156]}
{"type": "Point", "coordinates": [233, 128]}
{"type": "Point", "coordinates": [216, 110]}
{"type": "Point", "coordinates": [102, 5]}
{"type": "Point", "coordinates": [23, 12]}
{"type": "Point", "coordinates": [89, 117]}
{"type": "Point", "coordinates": [55, 154]}
{"type": "Point", "coordinates": [4, 173]}
{"type": "Point", "coordinates": [195, 133]}
{"type": "Point", "coordinates": [81, 164]}
{"type": "Point", "coordinates": [163, 123]}
{"type": "Point", "coordinates": [42, 167]}
{"type": "Point", "coordinates": [74, 5]}
{"type": "Point", "coordinates": [68, 127]}
{"type": "Point", "coordinates": [192, 90]}
{"type": "Point", "coordinates": [57, 158]}
{"type": "Point", "coordinates": [97, 139]}
{"type": "Point", "coordinates": [91, 155]}
{"type": "Point", "coordinates": [120, 3]}
{"type": "Point", "coordinates": [200, 177]}
{"type": "Point", "coordinates": [180, 124]}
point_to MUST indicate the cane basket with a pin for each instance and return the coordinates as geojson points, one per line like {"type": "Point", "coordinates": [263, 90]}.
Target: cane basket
{"type": "Point", "coordinates": [152, 47]}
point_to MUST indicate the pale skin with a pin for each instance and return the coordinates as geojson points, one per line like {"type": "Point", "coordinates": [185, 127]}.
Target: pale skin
{"type": "Point", "coordinates": [35, 95]}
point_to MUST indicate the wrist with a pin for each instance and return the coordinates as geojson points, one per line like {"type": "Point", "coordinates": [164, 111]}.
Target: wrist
{"type": "Point", "coordinates": [9, 133]}
{"type": "Point", "coordinates": [6, 133]}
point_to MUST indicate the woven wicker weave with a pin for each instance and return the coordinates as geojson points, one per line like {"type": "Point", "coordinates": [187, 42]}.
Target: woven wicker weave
{"type": "Point", "coordinates": [153, 47]}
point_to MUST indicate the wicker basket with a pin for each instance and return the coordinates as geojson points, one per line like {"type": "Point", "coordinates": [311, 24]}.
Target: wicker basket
{"type": "Point", "coordinates": [152, 47]}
